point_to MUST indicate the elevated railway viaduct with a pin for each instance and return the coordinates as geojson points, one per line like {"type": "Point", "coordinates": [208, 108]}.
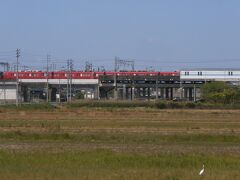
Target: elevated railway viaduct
{"type": "Point", "coordinates": [182, 85]}
{"type": "Point", "coordinates": [106, 87]}
{"type": "Point", "coordinates": [148, 87]}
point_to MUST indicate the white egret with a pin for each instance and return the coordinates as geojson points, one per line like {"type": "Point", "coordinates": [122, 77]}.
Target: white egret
{"type": "Point", "coordinates": [202, 171]}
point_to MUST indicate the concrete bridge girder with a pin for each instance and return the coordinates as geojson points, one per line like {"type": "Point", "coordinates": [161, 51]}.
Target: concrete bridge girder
{"type": "Point", "coordinates": [128, 88]}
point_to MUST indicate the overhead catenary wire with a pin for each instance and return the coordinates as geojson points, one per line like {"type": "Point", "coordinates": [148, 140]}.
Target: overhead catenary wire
{"type": "Point", "coordinates": [37, 60]}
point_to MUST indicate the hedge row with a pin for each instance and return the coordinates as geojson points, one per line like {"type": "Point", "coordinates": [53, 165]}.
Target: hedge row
{"type": "Point", "coordinates": [156, 104]}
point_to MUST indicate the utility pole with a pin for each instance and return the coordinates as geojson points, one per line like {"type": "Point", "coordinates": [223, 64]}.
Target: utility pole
{"type": "Point", "coordinates": [59, 90]}
{"type": "Point", "coordinates": [69, 79]}
{"type": "Point", "coordinates": [157, 78]}
{"type": "Point", "coordinates": [48, 59]}
{"type": "Point", "coordinates": [17, 78]}
{"type": "Point", "coordinates": [115, 78]}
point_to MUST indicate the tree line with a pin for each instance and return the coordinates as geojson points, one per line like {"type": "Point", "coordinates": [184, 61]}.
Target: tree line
{"type": "Point", "coordinates": [221, 92]}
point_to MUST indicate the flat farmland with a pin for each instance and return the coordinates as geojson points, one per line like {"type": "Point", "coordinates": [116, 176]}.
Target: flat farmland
{"type": "Point", "coordinates": [119, 143]}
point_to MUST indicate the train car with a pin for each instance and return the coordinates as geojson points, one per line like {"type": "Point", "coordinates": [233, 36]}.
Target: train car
{"type": "Point", "coordinates": [60, 75]}
{"type": "Point", "coordinates": [97, 74]}
{"type": "Point", "coordinates": [83, 75]}
{"type": "Point", "coordinates": [79, 74]}
{"type": "Point", "coordinates": [211, 74]}
{"type": "Point", "coordinates": [175, 73]}
{"type": "Point", "coordinates": [11, 75]}
{"type": "Point", "coordinates": [74, 75]}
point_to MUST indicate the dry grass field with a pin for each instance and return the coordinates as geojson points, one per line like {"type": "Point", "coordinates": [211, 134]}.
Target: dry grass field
{"type": "Point", "coordinates": [119, 143]}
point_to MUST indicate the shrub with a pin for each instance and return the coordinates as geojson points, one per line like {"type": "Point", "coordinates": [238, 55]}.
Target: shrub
{"type": "Point", "coordinates": [161, 105]}
{"type": "Point", "coordinates": [190, 105]}
{"type": "Point", "coordinates": [175, 105]}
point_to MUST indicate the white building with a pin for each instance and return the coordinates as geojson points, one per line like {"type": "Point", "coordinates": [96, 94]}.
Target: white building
{"type": "Point", "coordinates": [8, 92]}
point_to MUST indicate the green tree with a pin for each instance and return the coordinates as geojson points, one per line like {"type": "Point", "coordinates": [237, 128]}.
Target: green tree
{"type": "Point", "coordinates": [80, 95]}
{"type": "Point", "coordinates": [230, 95]}
{"type": "Point", "coordinates": [220, 92]}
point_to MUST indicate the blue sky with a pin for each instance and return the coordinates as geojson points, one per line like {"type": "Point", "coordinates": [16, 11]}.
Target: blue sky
{"type": "Point", "coordinates": [165, 34]}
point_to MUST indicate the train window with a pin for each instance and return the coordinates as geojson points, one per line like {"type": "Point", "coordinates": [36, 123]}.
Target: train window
{"type": "Point", "coordinates": [199, 73]}
{"type": "Point", "coordinates": [86, 75]}
{"type": "Point", "coordinates": [230, 73]}
{"type": "Point", "coordinates": [186, 73]}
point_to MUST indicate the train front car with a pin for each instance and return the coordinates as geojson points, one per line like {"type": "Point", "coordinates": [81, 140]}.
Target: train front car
{"type": "Point", "coordinates": [9, 75]}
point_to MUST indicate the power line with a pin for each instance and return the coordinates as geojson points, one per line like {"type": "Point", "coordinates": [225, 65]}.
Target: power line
{"type": "Point", "coordinates": [88, 66]}
{"type": "Point", "coordinates": [123, 63]}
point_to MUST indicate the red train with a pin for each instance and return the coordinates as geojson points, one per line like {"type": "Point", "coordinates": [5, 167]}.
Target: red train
{"type": "Point", "coordinates": [79, 74]}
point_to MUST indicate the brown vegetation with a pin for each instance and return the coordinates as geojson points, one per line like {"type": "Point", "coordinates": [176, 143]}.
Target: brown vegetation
{"type": "Point", "coordinates": [125, 137]}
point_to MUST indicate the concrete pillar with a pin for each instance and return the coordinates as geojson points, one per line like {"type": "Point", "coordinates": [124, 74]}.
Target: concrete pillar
{"type": "Point", "coordinates": [194, 94]}
{"type": "Point", "coordinates": [157, 91]}
{"type": "Point", "coordinates": [167, 93]}
{"type": "Point", "coordinates": [148, 91]}
{"type": "Point", "coordinates": [185, 93]}
{"type": "Point", "coordinates": [190, 94]}
{"type": "Point", "coordinates": [115, 93]}
{"type": "Point", "coordinates": [106, 94]}
{"type": "Point", "coordinates": [127, 94]}
{"type": "Point", "coordinates": [25, 93]}
{"type": "Point", "coordinates": [96, 92]}
{"type": "Point", "coordinates": [171, 93]}
{"type": "Point", "coordinates": [53, 92]}
{"type": "Point", "coordinates": [124, 92]}
{"type": "Point", "coordinates": [162, 93]}
{"type": "Point", "coordinates": [140, 92]}
{"type": "Point", "coordinates": [129, 91]}
{"type": "Point", "coordinates": [144, 92]}
{"type": "Point", "coordinates": [137, 92]}
{"type": "Point", "coordinates": [133, 93]}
